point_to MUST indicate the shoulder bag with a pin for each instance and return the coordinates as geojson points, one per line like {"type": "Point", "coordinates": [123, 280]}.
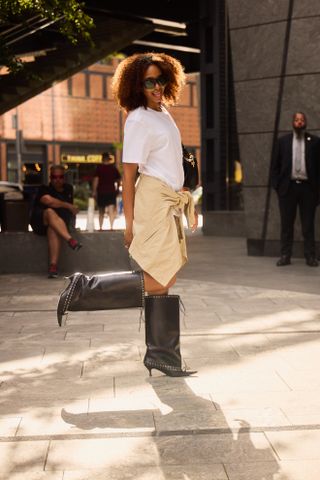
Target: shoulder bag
{"type": "Point", "coordinates": [190, 168]}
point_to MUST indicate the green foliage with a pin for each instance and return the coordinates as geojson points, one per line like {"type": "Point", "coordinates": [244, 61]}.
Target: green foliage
{"type": "Point", "coordinates": [117, 145]}
{"type": "Point", "coordinates": [81, 195]}
{"type": "Point", "coordinates": [108, 59]}
{"type": "Point", "coordinates": [69, 16]}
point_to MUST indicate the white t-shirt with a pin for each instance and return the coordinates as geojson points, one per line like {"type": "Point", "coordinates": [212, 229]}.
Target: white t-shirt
{"type": "Point", "coordinates": [152, 140]}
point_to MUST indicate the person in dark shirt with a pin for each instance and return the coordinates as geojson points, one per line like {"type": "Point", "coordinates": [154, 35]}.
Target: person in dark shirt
{"type": "Point", "coordinates": [295, 176]}
{"type": "Point", "coordinates": [105, 186]}
{"type": "Point", "coordinates": [53, 214]}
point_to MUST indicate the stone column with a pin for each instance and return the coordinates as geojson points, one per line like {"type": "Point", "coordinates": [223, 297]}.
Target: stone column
{"type": "Point", "coordinates": [275, 51]}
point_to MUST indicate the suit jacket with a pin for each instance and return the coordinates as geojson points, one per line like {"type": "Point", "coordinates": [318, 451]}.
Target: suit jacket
{"type": "Point", "coordinates": [281, 167]}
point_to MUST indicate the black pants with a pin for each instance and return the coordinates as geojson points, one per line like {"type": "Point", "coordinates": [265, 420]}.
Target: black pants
{"type": "Point", "coordinates": [299, 195]}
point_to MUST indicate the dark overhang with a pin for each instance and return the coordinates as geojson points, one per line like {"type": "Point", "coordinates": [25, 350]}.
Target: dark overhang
{"type": "Point", "coordinates": [170, 26]}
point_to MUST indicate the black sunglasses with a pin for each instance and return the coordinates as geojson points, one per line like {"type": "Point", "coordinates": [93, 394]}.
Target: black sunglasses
{"type": "Point", "coordinates": [151, 82]}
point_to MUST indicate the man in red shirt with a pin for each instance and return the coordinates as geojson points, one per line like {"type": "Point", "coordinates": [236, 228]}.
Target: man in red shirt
{"type": "Point", "coordinates": [105, 186]}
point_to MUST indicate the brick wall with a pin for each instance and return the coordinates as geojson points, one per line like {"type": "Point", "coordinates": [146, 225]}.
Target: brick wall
{"type": "Point", "coordinates": [81, 111]}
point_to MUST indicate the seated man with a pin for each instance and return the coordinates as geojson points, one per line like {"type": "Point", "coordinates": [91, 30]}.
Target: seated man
{"type": "Point", "coordinates": [52, 215]}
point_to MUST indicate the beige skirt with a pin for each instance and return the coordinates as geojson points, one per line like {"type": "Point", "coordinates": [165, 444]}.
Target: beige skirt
{"type": "Point", "coordinates": [159, 244]}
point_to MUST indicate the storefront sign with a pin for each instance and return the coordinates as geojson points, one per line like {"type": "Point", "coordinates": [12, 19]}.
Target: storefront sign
{"type": "Point", "coordinates": [81, 158]}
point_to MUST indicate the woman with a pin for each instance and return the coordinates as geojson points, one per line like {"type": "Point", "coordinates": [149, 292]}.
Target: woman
{"type": "Point", "coordinates": [143, 84]}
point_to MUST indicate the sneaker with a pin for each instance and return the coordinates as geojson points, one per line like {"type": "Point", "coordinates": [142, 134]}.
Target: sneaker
{"type": "Point", "coordinates": [74, 244]}
{"type": "Point", "coordinates": [53, 271]}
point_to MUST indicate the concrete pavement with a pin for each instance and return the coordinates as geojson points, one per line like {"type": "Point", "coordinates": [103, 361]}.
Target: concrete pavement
{"type": "Point", "coordinates": [76, 402]}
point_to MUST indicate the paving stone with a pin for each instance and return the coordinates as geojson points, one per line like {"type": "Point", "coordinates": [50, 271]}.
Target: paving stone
{"type": "Point", "coordinates": [20, 352]}
{"type": "Point", "coordinates": [108, 338]}
{"type": "Point", "coordinates": [164, 387]}
{"type": "Point", "coordinates": [206, 449]}
{"type": "Point", "coordinates": [251, 332]}
{"type": "Point", "coordinates": [256, 417]}
{"type": "Point", "coordinates": [29, 302]}
{"type": "Point", "coordinates": [118, 351]}
{"type": "Point", "coordinates": [124, 404]}
{"type": "Point", "coordinates": [135, 385]}
{"type": "Point", "coordinates": [209, 322]}
{"type": "Point", "coordinates": [7, 319]}
{"type": "Point", "coordinates": [206, 344]}
{"type": "Point", "coordinates": [20, 359]}
{"type": "Point", "coordinates": [292, 319]}
{"type": "Point", "coordinates": [72, 351]}
{"type": "Point", "coordinates": [256, 305]}
{"type": "Point", "coordinates": [83, 328]}
{"type": "Point", "coordinates": [69, 423]}
{"type": "Point", "coordinates": [254, 470]}
{"type": "Point", "coordinates": [307, 380]}
{"type": "Point", "coordinates": [204, 419]}
{"type": "Point", "coordinates": [33, 425]}
{"type": "Point", "coordinates": [304, 419]}
{"type": "Point", "coordinates": [102, 453]}
{"type": "Point", "coordinates": [217, 308]}
{"type": "Point", "coordinates": [248, 325]}
{"type": "Point", "coordinates": [116, 367]}
{"type": "Point", "coordinates": [43, 335]}
{"type": "Point", "coordinates": [275, 470]}
{"type": "Point", "coordinates": [296, 445]}
{"type": "Point", "coordinates": [46, 387]}
{"type": "Point", "coordinates": [26, 456]}
{"type": "Point", "coordinates": [250, 344]}
{"type": "Point", "coordinates": [31, 475]}
{"type": "Point", "coordinates": [212, 382]}
{"type": "Point", "coordinates": [304, 356]}
{"type": "Point", "coordinates": [203, 472]}
{"type": "Point", "coordinates": [294, 399]}
{"type": "Point", "coordinates": [9, 425]}
{"type": "Point", "coordinates": [213, 362]}
{"type": "Point", "coordinates": [42, 406]}
{"type": "Point", "coordinates": [268, 361]}
{"type": "Point", "coordinates": [37, 317]}
{"type": "Point", "coordinates": [110, 421]}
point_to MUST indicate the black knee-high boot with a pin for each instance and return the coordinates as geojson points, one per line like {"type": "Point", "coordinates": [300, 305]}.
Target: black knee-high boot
{"type": "Point", "coordinates": [162, 317]}
{"type": "Point", "coordinates": [101, 292]}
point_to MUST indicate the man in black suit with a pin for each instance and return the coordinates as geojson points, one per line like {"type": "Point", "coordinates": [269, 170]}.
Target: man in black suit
{"type": "Point", "coordinates": [295, 175]}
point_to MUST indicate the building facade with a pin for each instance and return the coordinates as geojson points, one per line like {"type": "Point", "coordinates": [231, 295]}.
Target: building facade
{"type": "Point", "coordinates": [73, 123]}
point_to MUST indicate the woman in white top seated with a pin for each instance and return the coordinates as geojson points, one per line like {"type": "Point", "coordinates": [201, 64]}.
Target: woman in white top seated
{"type": "Point", "coordinates": [143, 85]}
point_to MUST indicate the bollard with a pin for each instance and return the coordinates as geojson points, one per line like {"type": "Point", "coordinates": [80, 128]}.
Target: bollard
{"type": "Point", "coordinates": [90, 215]}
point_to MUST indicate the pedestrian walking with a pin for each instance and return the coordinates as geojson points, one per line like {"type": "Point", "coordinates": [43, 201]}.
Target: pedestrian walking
{"type": "Point", "coordinates": [105, 186]}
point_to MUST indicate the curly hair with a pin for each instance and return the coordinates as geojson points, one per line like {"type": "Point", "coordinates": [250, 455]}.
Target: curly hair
{"type": "Point", "coordinates": [127, 82]}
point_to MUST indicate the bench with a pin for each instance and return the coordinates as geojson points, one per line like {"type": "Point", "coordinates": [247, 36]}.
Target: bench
{"type": "Point", "coordinates": [25, 252]}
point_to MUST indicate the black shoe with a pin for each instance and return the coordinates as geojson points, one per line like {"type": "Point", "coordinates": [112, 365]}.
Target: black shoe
{"type": "Point", "coordinates": [162, 314]}
{"type": "Point", "coordinates": [106, 291]}
{"type": "Point", "coordinates": [168, 369]}
{"type": "Point", "coordinates": [283, 260]}
{"type": "Point", "coordinates": [312, 262]}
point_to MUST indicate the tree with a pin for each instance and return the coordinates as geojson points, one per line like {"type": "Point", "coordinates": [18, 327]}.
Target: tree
{"type": "Point", "coordinates": [68, 16]}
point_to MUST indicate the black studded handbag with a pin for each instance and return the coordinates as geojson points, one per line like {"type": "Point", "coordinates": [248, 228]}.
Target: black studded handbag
{"type": "Point", "coordinates": [190, 168]}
